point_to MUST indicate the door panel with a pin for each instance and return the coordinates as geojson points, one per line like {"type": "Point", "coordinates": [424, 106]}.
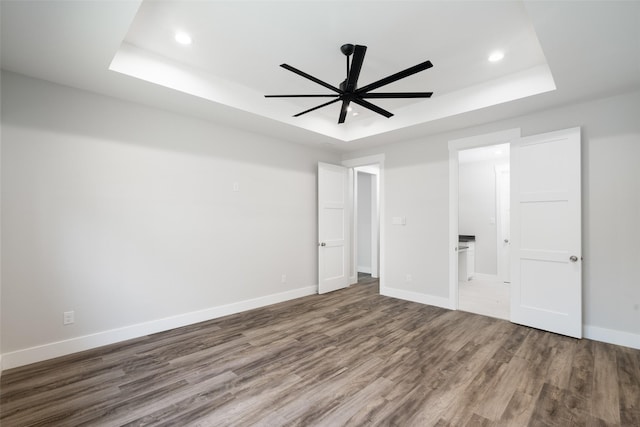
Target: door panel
{"type": "Point", "coordinates": [332, 228]}
{"type": "Point", "coordinates": [546, 274]}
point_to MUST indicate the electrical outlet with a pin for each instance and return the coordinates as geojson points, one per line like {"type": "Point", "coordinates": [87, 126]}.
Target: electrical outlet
{"type": "Point", "coordinates": [409, 278]}
{"type": "Point", "coordinates": [236, 186]}
{"type": "Point", "coordinates": [68, 317]}
{"type": "Point", "coordinates": [284, 278]}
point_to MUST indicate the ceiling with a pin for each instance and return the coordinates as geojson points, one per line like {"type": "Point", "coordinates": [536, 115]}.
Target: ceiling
{"type": "Point", "coordinates": [555, 53]}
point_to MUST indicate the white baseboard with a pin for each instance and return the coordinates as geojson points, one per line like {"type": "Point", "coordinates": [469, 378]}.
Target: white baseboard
{"type": "Point", "coordinates": [416, 297]}
{"type": "Point", "coordinates": [612, 336]}
{"type": "Point", "coordinates": [362, 269]}
{"type": "Point", "coordinates": [484, 276]}
{"type": "Point", "coordinates": [61, 348]}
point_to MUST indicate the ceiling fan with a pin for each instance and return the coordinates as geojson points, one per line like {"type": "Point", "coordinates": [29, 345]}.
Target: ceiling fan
{"type": "Point", "coordinates": [348, 90]}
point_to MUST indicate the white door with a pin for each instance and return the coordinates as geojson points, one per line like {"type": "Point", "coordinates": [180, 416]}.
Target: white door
{"type": "Point", "coordinates": [546, 276]}
{"type": "Point", "coordinates": [333, 271]}
{"type": "Point", "coordinates": [503, 178]}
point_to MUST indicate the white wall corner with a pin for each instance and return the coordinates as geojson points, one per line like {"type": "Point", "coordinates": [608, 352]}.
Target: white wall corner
{"type": "Point", "coordinates": [61, 348]}
{"type": "Point", "coordinates": [442, 302]}
{"type": "Point", "coordinates": [612, 336]}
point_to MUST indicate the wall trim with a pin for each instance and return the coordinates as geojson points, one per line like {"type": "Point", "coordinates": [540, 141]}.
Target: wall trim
{"type": "Point", "coordinates": [364, 269]}
{"type": "Point", "coordinates": [27, 356]}
{"type": "Point", "coordinates": [442, 302]}
{"type": "Point", "coordinates": [612, 336]}
{"type": "Point", "coordinates": [485, 276]}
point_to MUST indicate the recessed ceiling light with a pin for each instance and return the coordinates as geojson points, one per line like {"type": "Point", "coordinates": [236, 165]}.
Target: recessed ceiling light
{"type": "Point", "coordinates": [183, 38]}
{"type": "Point", "coordinates": [355, 113]}
{"type": "Point", "coordinates": [496, 56]}
{"type": "Point", "coordinates": [349, 109]}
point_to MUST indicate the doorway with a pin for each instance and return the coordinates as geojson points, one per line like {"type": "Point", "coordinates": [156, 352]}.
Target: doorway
{"type": "Point", "coordinates": [545, 218]}
{"type": "Point", "coordinates": [338, 223]}
{"type": "Point", "coordinates": [476, 222]}
{"type": "Point", "coordinates": [366, 221]}
{"type": "Point", "coordinates": [483, 217]}
{"type": "Point", "coordinates": [366, 175]}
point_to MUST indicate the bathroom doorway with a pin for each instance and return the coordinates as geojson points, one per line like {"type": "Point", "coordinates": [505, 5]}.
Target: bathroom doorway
{"type": "Point", "coordinates": [483, 230]}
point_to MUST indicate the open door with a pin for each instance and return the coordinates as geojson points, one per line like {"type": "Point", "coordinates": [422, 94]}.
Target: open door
{"type": "Point", "coordinates": [546, 262]}
{"type": "Point", "coordinates": [333, 259]}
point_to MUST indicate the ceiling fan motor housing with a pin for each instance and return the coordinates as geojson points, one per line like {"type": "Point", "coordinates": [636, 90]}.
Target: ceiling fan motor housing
{"type": "Point", "coordinates": [347, 49]}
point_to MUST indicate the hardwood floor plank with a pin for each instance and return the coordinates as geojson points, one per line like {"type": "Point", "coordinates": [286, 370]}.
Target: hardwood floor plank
{"type": "Point", "coordinates": [538, 350]}
{"type": "Point", "coordinates": [557, 407]}
{"type": "Point", "coordinates": [93, 385]}
{"type": "Point", "coordinates": [605, 403]}
{"type": "Point", "coordinates": [581, 379]}
{"type": "Point", "coordinates": [351, 357]}
{"type": "Point", "coordinates": [559, 370]}
{"type": "Point", "coordinates": [518, 410]}
{"type": "Point", "coordinates": [351, 406]}
{"type": "Point", "coordinates": [497, 394]}
{"type": "Point", "coordinates": [628, 386]}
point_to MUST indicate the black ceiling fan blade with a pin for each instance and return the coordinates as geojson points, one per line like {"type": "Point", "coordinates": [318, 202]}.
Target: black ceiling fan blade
{"type": "Point", "coordinates": [303, 96]}
{"type": "Point", "coordinates": [372, 107]}
{"type": "Point", "coordinates": [389, 95]}
{"type": "Point", "coordinates": [356, 66]}
{"type": "Point", "coordinates": [395, 77]}
{"type": "Point", "coordinates": [310, 77]}
{"type": "Point", "coordinates": [315, 108]}
{"type": "Point", "coordinates": [343, 111]}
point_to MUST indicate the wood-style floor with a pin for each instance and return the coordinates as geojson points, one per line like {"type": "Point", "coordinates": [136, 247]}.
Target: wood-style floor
{"type": "Point", "coordinates": [351, 357]}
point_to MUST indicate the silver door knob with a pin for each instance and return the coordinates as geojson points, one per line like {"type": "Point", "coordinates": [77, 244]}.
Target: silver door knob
{"type": "Point", "coordinates": [573, 258]}
{"type": "Point", "coordinates": [506, 240]}
{"type": "Point", "coordinates": [323, 244]}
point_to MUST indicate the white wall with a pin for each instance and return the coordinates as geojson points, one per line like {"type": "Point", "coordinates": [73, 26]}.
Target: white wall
{"type": "Point", "coordinates": [415, 189]}
{"type": "Point", "coordinates": [364, 222]}
{"type": "Point", "coordinates": [127, 215]}
{"type": "Point", "coordinates": [477, 211]}
{"type": "Point", "coordinates": [0, 226]}
{"type": "Point", "coordinates": [416, 186]}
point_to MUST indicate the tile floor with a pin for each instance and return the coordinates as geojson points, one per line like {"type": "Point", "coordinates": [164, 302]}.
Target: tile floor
{"type": "Point", "coordinates": [484, 296]}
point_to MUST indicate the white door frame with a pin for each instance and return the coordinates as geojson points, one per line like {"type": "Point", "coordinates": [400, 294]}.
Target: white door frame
{"type": "Point", "coordinates": [353, 163]}
{"type": "Point", "coordinates": [503, 267]}
{"type": "Point", "coordinates": [455, 146]}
